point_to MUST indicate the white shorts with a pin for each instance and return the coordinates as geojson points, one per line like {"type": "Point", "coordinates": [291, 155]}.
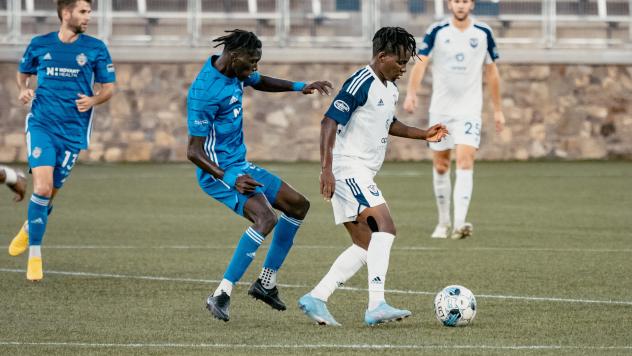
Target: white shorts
{"type": "Point", "coordinates": [352, 196]}
{"type": "Point", "coordinates": [462, 132]}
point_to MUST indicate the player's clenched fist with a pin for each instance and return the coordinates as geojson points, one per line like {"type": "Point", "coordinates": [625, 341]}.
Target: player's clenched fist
{"type": "Point", "coordinates": [327, 184]}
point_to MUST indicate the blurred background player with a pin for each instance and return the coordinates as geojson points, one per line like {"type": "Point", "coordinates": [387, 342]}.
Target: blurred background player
{"type": "Point", "coordinates": [353, 142]}
{"type": "Point", "coordinates": [66, 64]}
{"type": "Point", "coordinates": [15, 180]}
{"type": "Point", "coordinates": [216, 147]}
{"type": "Point", "coordinates": [460, 46]}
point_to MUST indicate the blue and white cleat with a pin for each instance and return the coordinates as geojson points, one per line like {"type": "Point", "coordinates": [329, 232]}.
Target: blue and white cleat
{"type": "Point", "coordinates": [316, 310]}
{"type": "Point", "coordinates": [385, 313]}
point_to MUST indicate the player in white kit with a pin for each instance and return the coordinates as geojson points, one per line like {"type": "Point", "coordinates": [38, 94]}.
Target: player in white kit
{"type": "Point", "coordinates": [354, 137]}
{"type": "Point", "coordinates": [460, 48]}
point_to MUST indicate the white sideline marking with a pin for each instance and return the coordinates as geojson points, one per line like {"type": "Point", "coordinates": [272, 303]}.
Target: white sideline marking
{"type": "Point", "coordinates": [406, 248]}
{"type": "Point", "coordinates": [320, 346]}
{"type": "Point", "coordinates": [351, 289]}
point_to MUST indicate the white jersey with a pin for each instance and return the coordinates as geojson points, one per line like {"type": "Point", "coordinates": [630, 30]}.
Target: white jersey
{"type": "Point", "coordinates": [364, 110]}
{"type": "Point", "coordinates": [457, 67]}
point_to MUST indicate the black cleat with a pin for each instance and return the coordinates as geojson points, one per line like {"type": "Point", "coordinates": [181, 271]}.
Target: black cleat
{"type": "Point", "coordinates": [218, 306]}
{"type": "Point", "coordinates": [268, 296]}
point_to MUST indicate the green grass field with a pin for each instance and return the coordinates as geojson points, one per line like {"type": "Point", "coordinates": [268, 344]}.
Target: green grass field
{"type": "Point", "coordinates": [132, 251]}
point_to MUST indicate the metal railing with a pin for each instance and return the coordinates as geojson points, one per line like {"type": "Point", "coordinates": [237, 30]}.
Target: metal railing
{"type": "Point", "coordinates": [326, 23]}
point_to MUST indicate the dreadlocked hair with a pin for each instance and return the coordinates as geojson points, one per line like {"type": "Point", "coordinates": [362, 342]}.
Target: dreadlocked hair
{"type": "Point", "coordinates": [392, 40]}
{"type": "Point", "coordinates": [238, 40]}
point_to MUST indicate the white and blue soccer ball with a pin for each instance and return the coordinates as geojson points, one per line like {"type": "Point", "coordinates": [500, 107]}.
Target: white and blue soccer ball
{"type": "Point", "coordinates": [455, 306]}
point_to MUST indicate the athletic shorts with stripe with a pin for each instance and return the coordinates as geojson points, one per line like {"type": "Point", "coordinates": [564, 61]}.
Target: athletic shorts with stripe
{"type": "Point", "coordinates": [352, 196]}
{"type": "Point", "coordinates": [233, 199]}
{"type": "Point", "coordinates": [47, 149]}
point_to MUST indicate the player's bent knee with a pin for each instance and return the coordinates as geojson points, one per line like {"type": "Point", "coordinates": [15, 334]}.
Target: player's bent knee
{"type": "Point", "coordinates": [44, 190]}
{"type": "Point", "coordinates": [441, 168]}
{"type": "Point", "coordinates": [265, 223]}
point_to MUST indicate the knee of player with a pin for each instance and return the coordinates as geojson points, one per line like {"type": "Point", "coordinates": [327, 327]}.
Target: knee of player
{"type": "Point", "coordinates": [465, 163]}
{"type": "Point", "coordinates": [266, 223]}
{"type": "Point", "coordinates": [43, 189]}
{"type": "Point", "coordinates": [442, 168]}
{"type": "Point", "coordinates": [301, 208]}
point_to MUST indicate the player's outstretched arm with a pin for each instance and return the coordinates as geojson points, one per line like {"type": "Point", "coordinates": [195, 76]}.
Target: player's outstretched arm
{"type": "Point", "coordinates": [243, 183]}
{"type": "Point", "coordinates": [26, 94]}
{"type": "Point", "coordinates": [327, 139]}
{"type": "Point", "coordinates": [433, 134]}
{"type": "Point", "coordinates": [270, 84]}
{"type": "Point", "coordinates": [493, 81]}
{"type": "Point", "coordinates": [414, 83]}
{"type": "Point", "coordinates": [85, 103]}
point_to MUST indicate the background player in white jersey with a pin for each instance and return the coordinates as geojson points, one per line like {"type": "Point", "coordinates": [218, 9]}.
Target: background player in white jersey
{"type": "Point", "coordinates": [353, 140]}
{"type": "Point", "coordinates": [15, 180]}
{"type": "Point", "coordinates": [460, 46]}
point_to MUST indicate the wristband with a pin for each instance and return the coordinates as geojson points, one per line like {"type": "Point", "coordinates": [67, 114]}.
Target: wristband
{"type": "Point", "coordinates": [11, 177]}
{"type": "Point", "coordinates": [298, 86]}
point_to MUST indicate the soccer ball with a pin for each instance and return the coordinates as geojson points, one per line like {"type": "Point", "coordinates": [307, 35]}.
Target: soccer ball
{"type": "Point", "coordinates": [455, 306]}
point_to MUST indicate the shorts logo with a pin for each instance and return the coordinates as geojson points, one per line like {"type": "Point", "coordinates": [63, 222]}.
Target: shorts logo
{"type": "Point", "coordinates": [81, 59]}
{"type": "Point", "coordinates": [474, 42]}
{"type": "Point", "coordinates": [342, 106]}
{"type": "Point", "coordinates": [373, 190]}
{"type": "Point", "coordinates": [37, 152]}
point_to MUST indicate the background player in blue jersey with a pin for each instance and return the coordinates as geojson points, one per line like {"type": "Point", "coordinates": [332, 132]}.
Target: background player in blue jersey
{"type": "Point", "coordinates": [67, 64]}
{"type": "Point", "coordinates": [216, 146]}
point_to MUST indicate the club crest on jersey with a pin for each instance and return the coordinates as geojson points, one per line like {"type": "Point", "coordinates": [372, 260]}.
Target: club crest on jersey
{"type": "Point", "coordinates": [460, 57]}
{"type": "Point", "coordinates": [341, 105]}
{"type": "Point", "coordinates": [373, 190]}
{"type": "Point", "coordinates": [81, 59]}
{"type": "Point", "coordinates": [474, 42]}
{"type": "Point", "coordinates": [37, 152]}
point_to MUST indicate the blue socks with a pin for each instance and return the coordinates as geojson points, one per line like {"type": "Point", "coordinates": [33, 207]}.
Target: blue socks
{"type": "Point", "coordinates": [243, 255]}
{"type": "Point", "coordinates": [37, 218]}
{"type": "Point", "coordinates": [284, 233]}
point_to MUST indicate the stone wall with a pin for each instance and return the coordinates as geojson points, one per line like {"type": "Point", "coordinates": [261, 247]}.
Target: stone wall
{"type": "Point", "coordinates": [552, 111]}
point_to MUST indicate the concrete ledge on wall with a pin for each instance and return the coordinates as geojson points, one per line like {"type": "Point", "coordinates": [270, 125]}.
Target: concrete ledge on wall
{"type": "Point", "coordinates": [344, 55]}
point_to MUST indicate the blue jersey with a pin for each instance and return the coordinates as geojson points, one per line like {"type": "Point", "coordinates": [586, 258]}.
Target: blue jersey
{"type": "Point", "coordinates": [63, 71]}
{"type": "Point", "coordinates": [214, 109]}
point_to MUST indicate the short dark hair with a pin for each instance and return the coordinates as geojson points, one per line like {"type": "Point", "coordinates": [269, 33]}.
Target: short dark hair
{"type": "Point", "coordinates": [391, 40]}
{"type": "Point", "coordinates": [239, 40]}
{"type": "Point", "coordinates": [64, 4]}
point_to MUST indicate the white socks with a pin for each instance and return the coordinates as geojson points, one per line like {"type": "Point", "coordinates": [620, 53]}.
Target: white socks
{"type": "Point", "coordinates": [346, 265]}
{"type": "Point", "coordinates": [462, 195]}
{"type": "Point", "coordinates": [268, 278]}
{"type": "Point", "coordinates": [11, 176]}
{"type": "Point", "coordinates": [226, 286]}
{"type": "Point", "coordinates": [443, 193]}
{"type": "Point", "coordinates": [377, 264]}
{"type": "Point", "coordinates": [35, 251]}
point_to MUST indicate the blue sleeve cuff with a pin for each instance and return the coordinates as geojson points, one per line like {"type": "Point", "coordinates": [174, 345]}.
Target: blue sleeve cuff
{"type": "Point", "coordinates": [298, 86]}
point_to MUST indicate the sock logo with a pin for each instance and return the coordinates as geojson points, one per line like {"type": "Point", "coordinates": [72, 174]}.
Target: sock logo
{"type": "Point", "coordinates": [37, 221]}
{"type": "Point", "coordinates": [251, 254]}
{"type": "Point", "coordinates": [377, 280]}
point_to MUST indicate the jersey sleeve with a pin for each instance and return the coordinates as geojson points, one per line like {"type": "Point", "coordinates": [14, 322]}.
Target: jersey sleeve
{"type": "Point", "coordinates": [354, 93]}
{"type": "Point", "coordinates": [253, 79]}
{"type": "Point", "coordinates": [428, 42]}
{"type": "Point", "coordinates": [104, 69]}
{"type": "Point", "coordinates": [492, 50]}
{"type": "Point", "coordinates": [200, 116]}
{"type": "Point", "coordinates": [29, 61]}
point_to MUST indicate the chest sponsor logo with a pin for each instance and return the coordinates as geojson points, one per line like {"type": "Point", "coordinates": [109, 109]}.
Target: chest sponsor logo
{"type": "Point", "coordinates": [47, 57]}
{"type": "Point", "coordinates": [373, 190]}
{"type": "Point", "coordinates": [341, 105]}
{"type": "Point", "coordinates": [474, 42]}
{"type": "Point", "coordinates": [236, 111]}
{"type": "Point", "coordinates": [81, 59]}
{"type": "Point", "coordinates": [200, 122]}
{"type": "Point", "coordinates": [62, 72]}
{"type": "Point", "coordinates": [380, 103]}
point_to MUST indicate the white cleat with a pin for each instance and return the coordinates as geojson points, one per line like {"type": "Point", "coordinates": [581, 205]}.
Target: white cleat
{"type": "Point", "coordinates": [440, 232]}
{"type": "Point", "coordinates": [462, 232]}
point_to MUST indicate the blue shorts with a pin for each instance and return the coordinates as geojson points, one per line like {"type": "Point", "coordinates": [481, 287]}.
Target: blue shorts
{"type": "Point", "coordinates": [233, 199]}
{"type": "Point", "coordinates": [46, 149]}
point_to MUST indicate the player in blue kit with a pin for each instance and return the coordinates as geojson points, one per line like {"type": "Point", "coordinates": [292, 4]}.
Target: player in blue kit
{"type": "Point", "coordinates": [67, 64]}
{"type": "Point", "coordinates": [216, 147]}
